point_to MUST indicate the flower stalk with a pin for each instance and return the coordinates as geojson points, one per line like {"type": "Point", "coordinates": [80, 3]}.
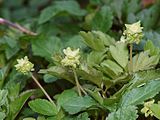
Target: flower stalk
{"type": "Point", "coordinates": [43, 90]}
{"type": "Point", "coordinates": [77, 82]}
{"type": "Point", "coordinates": [131, 59]}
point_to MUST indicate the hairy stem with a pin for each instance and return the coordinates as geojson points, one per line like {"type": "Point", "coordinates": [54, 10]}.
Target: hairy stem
{"type": "Point", "coordinates": [77, 82]}
{"type": "Point", "coordinates": [16, 26]}
{"type": "Point", "coordinates": [43, 90]}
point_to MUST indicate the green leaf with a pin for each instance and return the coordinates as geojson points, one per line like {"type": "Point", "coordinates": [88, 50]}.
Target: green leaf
{"type": "Point", "coordinates": [71, 7]}
{"type": "Point", "coordinates": [46, 46]}
{"type": "Point", "coordinates": [17, 104]}
{"type": "Point", "coordinates": [141, 78]}
{"type": "Point", "coordinates": [95, 58]}
{"type": "Point", "coordinates": [124, 113]}
{"type": "Point", "coordinates": [43, 107]}
{"type": "Point", "coordinates": [138, 95]}
{"type": "Point", "coordinates": [120, 53]}
{"type": "Point", "coordinates": [103, 19]}
{"type": "Point", "coordinates": [75, 42]}
{"type": "Point", "coordinates": [82, 116]}
{"type": "Point", "coordinates": [47, 14]}
{"type": "Point", "coordinates": [144, 61]}
{"type": "Point", "coordinates": [90, 74]}
{"type": "Point", "coordinates": [59, 72]}
{"type": "Point", "coordinates": [111, 67]}
{"type": "Point", "coordinates": [77, 104]}
{"type": "Point", "coordinates": [65, 97]}
{"type": "Point", "coordinates": [49, 78]}
{"type": "Point", "coordinates": [93, 40]}
{"type": "Point", "coordinates": [96, 95]}
{"type": "Point", "coordinates": [152, 49]}
{"type": "Point", "coordinates": [155, 108]}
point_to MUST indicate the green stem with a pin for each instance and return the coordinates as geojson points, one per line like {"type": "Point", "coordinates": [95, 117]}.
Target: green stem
{"type": "Point", "coordinates": [77, 82]}
{"type": "Point", "coordinates": [43, 90]}
{"type": "Point", "coordinates": [131, 62]}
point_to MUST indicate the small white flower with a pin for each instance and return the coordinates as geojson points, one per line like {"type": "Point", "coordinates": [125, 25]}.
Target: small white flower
{"type": "Point", "coordinates": [133, 28]}
{"type": "Point", "coordinates": [24, 65]}
{"type": "Point", "coordinates": [71, 57]}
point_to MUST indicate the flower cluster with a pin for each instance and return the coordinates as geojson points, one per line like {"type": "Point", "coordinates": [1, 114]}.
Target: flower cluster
{"type": "Point", "coordinates": [146, 110]}
{"type": "Point", "coordinates": [24, 65]}
{"type": "Point", "coordinates": [71, 57]}
{"type": "Point", "coordinates": [133, 33]}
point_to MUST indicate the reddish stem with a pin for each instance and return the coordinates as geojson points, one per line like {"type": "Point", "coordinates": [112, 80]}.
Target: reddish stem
{"type": "Point", "coordinates": [16, 26]}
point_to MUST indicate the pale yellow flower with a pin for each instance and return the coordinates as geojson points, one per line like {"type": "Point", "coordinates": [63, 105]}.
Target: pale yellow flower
{"type": "Point", "coordinates": [24, 65]}
{"type": "Point", "coordinates": [71, 57]}
{"type": "Point", "coordinates": [133, 28]}
{"type": "Point", "coordinates": [146, 109]}
{"type": "Point", "coordinates": [133, 33]}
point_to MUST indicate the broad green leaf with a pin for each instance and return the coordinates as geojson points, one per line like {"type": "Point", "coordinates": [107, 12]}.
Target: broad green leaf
{"type": "Point", "coordinates": [124, 113]}
{"type": "Point", "coordinates": [141, 78]}
{"type": "Point", "coordinates": [49, 78]}
{"type": "Point", "coordinates": [103, 19]}
{"type": "Point", "coordinates": [111, 67]}
{"type": "Point", "coordinates": [138, 95]}
{"type": "Point", "coordinates": [90, 74]}
{"type": "Point", "coordinates": [95, 58]}
{"type": "Point", "coordinates": [59, 72]}
{"type": "Point", "coordinates": [46, 46]}
{"type": "Point", "coordinates": [120, 53]}
{"type": "Point", "coordinates": [78, 104]}
{"type": "Point", "coordinates": [71, 7]}
{"type": "Point", "coordinates": [93, 40]}
{"type": "Point", "coordinates": [108, 40]}
{"type": "Point", "coordinates": [75, 42]}
{"type": "Point", "coordinates": [143, 61]}
{"type": "Point", "coordinates": [16, 105]}
{"type": "Point", "coordinates": [152, 49]}
{"type": "Point", "coordinates": [65, 97]}
{"type": "Point", "coordinates": [47, 14]}
{"type": "Point", "coordinates": [155, 108]}
{"type": "Point", "coordinates": [43, 107]}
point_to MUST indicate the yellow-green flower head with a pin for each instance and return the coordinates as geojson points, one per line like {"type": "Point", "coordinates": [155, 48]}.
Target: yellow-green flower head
{"type": "Point", "coordinates": [146, 110]}
{"type": "Point", "coordinates": [134, 28]}
{"type": "Point", "coordinates": [133, 33]}
{"type": "Point", "coordinates": [71, 57]}
{"type": "Point", "coordinates": [24, 65]}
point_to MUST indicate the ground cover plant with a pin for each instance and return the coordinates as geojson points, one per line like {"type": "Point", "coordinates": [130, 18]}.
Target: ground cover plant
{"type": "Point", "coordinates": [79, 60]}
